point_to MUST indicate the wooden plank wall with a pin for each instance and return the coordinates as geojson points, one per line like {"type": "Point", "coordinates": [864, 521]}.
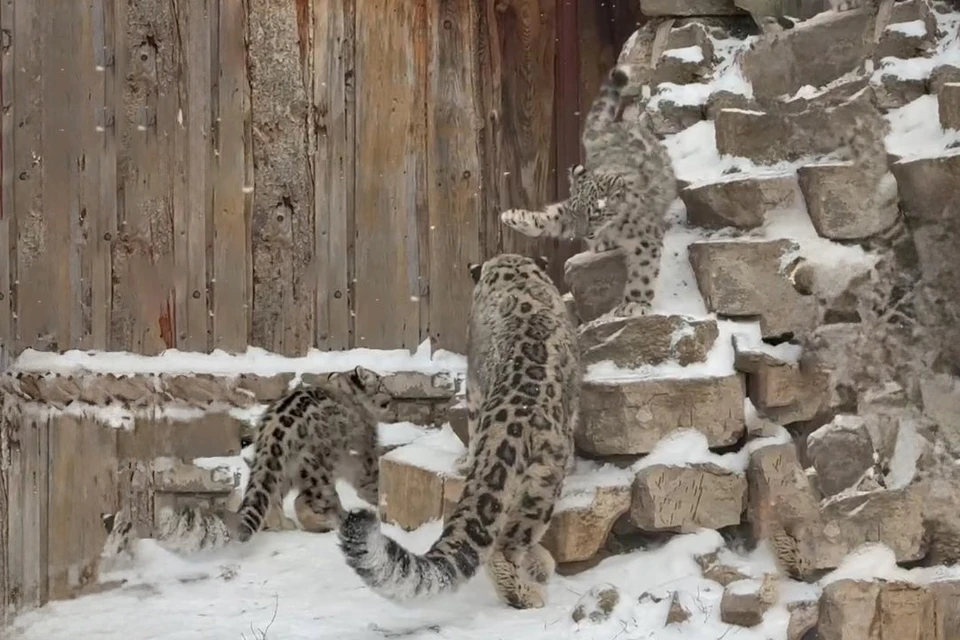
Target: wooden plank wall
{"type": "Point", "coordinates": [288, 175]}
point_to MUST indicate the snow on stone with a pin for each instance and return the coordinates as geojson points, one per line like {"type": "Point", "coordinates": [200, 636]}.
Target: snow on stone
{"type": "Point", "coordinates": [719, 363]}
{"type": "Point", "coordinates": [914, 28]}
{"type": "Point", "coordinates": [434, 452]}
{"type": "Point", "coordinates": [393, 434]}
{"type": "Point", "coordinates": [680, 94]}
{"type": "Point", "coordinates": [834, 264]}
{"type": "Point", "coordinates": [114, 415]}
{"type": "Point", "coordinates": [686, 447]}
{"type": "Point", "coordinates": [692, 53]}
{"type": "Point", "coordinates": [580, 486]}
{"type": "Point", "coordinates": [915, 131]}
{"type": "Point", "coordinates": [254, 360]}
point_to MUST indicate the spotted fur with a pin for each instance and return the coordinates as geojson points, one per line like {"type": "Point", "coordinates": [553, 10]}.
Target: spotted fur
{"type": "Point", "coordinates": [618, 198]}
{"type": "Point", "coordinates": [182, 531]}
{"type": "Point", "coordinates": [523, 385]}
{"type": "Point", "coordinates": [309, 438]}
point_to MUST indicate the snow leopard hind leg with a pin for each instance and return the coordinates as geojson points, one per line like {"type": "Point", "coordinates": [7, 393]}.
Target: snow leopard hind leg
{"type": "Point", "coordinates": [642, 245]}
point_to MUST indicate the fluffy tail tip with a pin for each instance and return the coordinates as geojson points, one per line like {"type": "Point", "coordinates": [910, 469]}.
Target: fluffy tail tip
{"type": "Point", "coordinates": [355, 532]}
{"type": "Point", "coordinates": [620, 75]}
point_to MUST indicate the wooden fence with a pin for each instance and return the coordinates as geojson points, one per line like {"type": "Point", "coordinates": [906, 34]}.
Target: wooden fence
{"type": "Point", "coordinates": [286, 174]}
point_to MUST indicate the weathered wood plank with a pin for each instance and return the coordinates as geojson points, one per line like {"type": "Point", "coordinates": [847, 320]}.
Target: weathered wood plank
{"type": "Point", "coordinates": [333, 168]}
{"type": "Point", "coordinates": [603, 29]}
{"type": "Point", "coordinates": [232, 297]}
{"type": "Point", "coordinates": [36, 324]}
{"type": "Point", "coordinates": [527, 31]}
{"type": "Point", "coordinates": [192, 211]}
{"type": "Point", "coordinates": [103, 215]}
{"type": "Point", "coordinates": [489, 67]}
{"type": "Point", "coordinates": [32, 487]}
{"type": "Point", "coordinates": [9, 559]}
{"type": "Point", "coordinates": [88, 25]}
{"type": "Point", "coordinates": [8, 225]}
{"type": "Point", "coordinates": [283, 237]}
{"type": "Point", "coordinates": [82, 487]}
{"type": "Point", "coordinates": [391, 61]}
{"type": "Point", "coordinates": [455, 178]}
{"type": "Point", "coordinates": [143, 296]}
{"type": "Point", "coordinates": [60, 158]}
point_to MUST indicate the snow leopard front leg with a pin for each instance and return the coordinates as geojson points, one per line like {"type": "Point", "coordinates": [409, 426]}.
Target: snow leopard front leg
{"type": "Point", "coordinates": [642, 245]}
{"type": "Point", "coordinates": [554, 221]}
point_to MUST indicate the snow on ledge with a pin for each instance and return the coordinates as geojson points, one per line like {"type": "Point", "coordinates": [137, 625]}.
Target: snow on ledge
{"type": "Point", "coordinates": [254, 360]}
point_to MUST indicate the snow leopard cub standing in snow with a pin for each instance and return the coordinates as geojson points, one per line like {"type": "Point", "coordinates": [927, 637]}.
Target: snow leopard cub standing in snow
{"type": "Point", "coordinates": [618, 198]}
{"type": "Point", "coordinates": [309, 438]}
{"type": "Point", "coordinates": [523, 390]}
{"type": "Point", "coordinates": [306, 439]}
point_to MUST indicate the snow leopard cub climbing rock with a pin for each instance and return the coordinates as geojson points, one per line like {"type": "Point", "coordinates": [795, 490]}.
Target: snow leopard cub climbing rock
{"type": "Point", "coordinates": [619, 197]}
{"type": "Point", "coordinates": [309, 438]}
{"type": "Point", "coordinates": [523, 390]}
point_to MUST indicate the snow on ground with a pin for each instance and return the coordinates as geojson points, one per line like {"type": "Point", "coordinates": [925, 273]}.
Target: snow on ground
{"type": "Point", "coordinates": [295, 585]}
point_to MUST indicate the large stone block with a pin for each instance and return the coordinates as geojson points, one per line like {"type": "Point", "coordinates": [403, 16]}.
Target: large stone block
{"type": "Point", "coordinates": [596, 281]}
{"type": "Point", "coordinates": [583, 520]}
{"type": "Point", "coordinates": [905, 40]}
{"type": "Point", "coordinates": [946, 596]}
{"type": "Point", "coordinates": [782, 508]}
{"type": "Point", "coordinates": [688, 7]}
{"type": "Point", "coordinates": [686, 65]}
{"type": "Point", "coordinates": [738, 202]}
{"type": "Point", "coordinates": [850, 521]}
{"type": "Point", "coordinates": [413, 479]}
{"type": "Point", "coordinates": [747, 279]}
{"type": "Point", "coordinates": [948, 100]}
{"type": "Point", "coordinates": [684, 499]}
{"type": "Point", "coordinates": [795, 131]}
{"type": "Point", "coordinates": [847, 203]}
{"type": "Point", "coordinates": [941, 75]}
{"type": "Point", "coordinates": [892, 91]}
{"type": "Point", "coordinates": [928, 187]}
{"type": "Point", "coordinates": [841, 452]}
{"type": "Point", "coordinates": [647, 340]}
{"type": "Point", "coordinates": [861, 610]}
{"type": "Point", "coordinates": [630, 417]}
{"type": "Point", "coordinates": [744, 602]}
{"type": "Point", "coordinates": [782, 387]}
{"type": "Point", "coordinates": [814, 52]}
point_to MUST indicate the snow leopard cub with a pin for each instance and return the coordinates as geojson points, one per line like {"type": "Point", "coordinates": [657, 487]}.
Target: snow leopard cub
{"type": "Point", "coordinates": [619, 197]}
{"type": "Point", "coordinates": [523, 391]}
{"type": "Point", "coordinates": [309, 438]}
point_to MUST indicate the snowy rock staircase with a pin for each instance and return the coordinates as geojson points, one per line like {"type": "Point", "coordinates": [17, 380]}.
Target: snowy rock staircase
{"type": "Point", "coordinates": [683, 417]}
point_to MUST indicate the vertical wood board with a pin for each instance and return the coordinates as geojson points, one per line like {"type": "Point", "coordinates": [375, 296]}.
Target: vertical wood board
{"type": "Point", "coordinates": [391, 61]}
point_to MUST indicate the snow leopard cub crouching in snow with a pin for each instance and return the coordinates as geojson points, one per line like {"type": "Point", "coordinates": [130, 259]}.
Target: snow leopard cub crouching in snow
{"type": "Point", "coordinates": [523, 390]}
{"type": "Point", "coordinates": [309, 438]}
{"type": "Point", "coordinates": [619, 197]}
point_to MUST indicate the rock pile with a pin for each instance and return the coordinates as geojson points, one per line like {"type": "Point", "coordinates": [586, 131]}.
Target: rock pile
{"type": "Point", "coordinates": [801, 454]}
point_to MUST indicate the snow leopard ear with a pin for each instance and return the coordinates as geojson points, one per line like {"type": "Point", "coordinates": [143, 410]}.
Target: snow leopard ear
{"type": "Point", "coordinates": [476, 270]}
{"type": "Point", "coordinates": [577, 170]}
{"type": "Point", "coordinates": [364, 378]}
{"type": "Point", "coordinates": [542, 261]}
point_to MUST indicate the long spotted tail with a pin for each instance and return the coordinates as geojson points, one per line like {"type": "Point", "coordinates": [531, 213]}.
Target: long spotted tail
{"type": "Point", "coordinates": [465, 544]}
{"type": "Point", "coordinates": [263, 489]}
{"type": "Point", "coordinates": [607, 105]}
